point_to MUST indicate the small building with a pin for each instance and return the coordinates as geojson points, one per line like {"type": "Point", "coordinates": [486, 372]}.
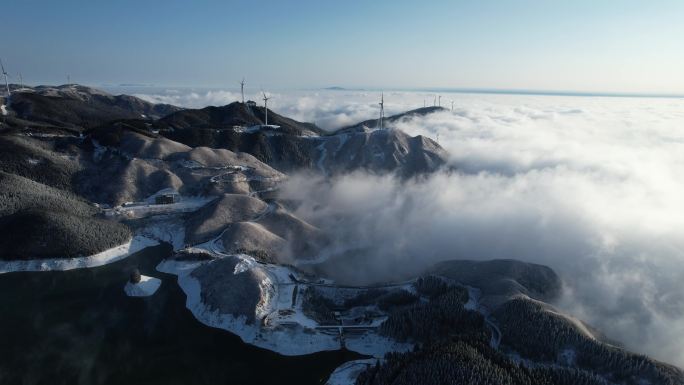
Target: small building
{"type": "Point", "coordinates": [167, 199]}
{"type": "Point", "coordinates": [251, 103]}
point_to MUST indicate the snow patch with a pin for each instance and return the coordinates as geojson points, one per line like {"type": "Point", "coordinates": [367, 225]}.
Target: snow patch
{"type": "Point", "coordinates": [342, 140]}
{"type": "Point", "coordinates": [347, 373]}
{"type": "Point", "coordinates": [114, 254]}
{"type": "Point", "coordinates": [170, 266]}
{"type": "Point", "coordinates": [143, 209]}
{"type": "Point", "coordinates": [145, 288]}
{"type": "Point", "coordinates": [373, 344]}
{"type": "Point", "coordinates": [252, 129]}
{"type": "Point", "coordinates": [170, 230]}
{"type": "Point", "coordinates": [473, 298]}
{"type": "Point", "coordinates": [322, 156]}
{"type": "Point", "coordinates": [244, 265]}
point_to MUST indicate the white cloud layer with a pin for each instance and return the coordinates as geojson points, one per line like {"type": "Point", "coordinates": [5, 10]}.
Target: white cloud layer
{"type": "Point", "coordinates": [592, 187]}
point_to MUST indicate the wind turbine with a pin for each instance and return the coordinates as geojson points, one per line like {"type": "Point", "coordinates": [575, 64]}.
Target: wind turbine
{"type": "Point", "coordinates": [440, 100]}
{"type": "Point", "coordinates": [4, 73]}
{"type": "Point", "coordinates": [452, 105]}
{"type": "Point", "coordinates": [434, 104]}
{"type": "Point", "coordinates": [68, 79]}
{"type": "Point", "coordinates": [382, 109]}
{"type": "Point", "coordinates": [21, 80]}
{"type": "Point", "coordinates": [242, 90]}
{"type": "Point", "coordinates": [265, 106]}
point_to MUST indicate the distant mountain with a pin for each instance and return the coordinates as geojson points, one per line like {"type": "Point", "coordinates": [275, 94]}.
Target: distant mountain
{"type": "Point", "coordinates": [297, 145]}
{"type": "Point", "coordinates": [378, 151]}
{"type": "Point", "coordinates": [79, 107]}
{"type": "Point", "coordinates": [236, 114]}
{"type": "Point", "coordinates": [338, 88]}
{"type": "Point", "coordinates": [370, 124]}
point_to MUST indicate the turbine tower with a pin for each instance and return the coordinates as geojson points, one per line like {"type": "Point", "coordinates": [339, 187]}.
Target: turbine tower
{"type": "Point", "coordinates": [440, 100]}
{"type": "Point", "coordinates": [265, 106]}
{"type": "Point", "coordinates": [382, 109]}
{"type": "Point", "coordinates": [4, 73]}
{"type": "Point", "coordinates": [21, 80]}
{"type": "Point", "coordinates": [242, 90]}
{"type": "Point", "coordinates": [434, 104]}
{"type": "Point", "coordinates": [452, 105]}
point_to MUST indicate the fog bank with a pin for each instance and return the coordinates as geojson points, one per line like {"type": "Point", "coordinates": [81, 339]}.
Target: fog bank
{"type": "Point", "coordinates": [590, 186]}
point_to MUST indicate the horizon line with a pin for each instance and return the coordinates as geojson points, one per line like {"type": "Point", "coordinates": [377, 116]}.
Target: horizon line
{"type": "Point", "coordinates": [514, 91]}
{"type": "Point", "coordinates": [460, 90]}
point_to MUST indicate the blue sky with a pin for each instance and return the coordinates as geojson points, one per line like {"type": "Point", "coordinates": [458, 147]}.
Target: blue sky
{"type": "Point", "coordinates": [602, 46]}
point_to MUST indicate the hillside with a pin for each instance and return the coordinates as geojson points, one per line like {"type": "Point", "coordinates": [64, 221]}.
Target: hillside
{"type": "Point", "coordinates": [38, 221]}
{"type": "Point", "coordinates": [503, 279]}
{"type": "Point", "coordinates": [236, 114]}
{"type": "Point", "coordinates": [369, 124]}
{"type": "Point", "coordinates": [296, 146]}
{"type": "Point", "coordinates": [533, 343]}
{"type": "Point", "coordinates": [79, 107]}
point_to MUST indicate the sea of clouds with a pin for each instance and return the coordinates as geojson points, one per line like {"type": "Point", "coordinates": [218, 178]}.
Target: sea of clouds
{"type": "Point", "coordinates": [590, 186]}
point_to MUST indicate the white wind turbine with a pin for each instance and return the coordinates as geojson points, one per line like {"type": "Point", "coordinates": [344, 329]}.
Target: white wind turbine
{"type": "Point", "coordinates": [242, 90]}
{"type": "Point", "coordinates": [265, 106]}
{"type": "Point", "coordinates": [4, 73]}
{"type": "Point", "coordinates": [382, 109]}
{"type": "Point", "coordinates": [440, 101]}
